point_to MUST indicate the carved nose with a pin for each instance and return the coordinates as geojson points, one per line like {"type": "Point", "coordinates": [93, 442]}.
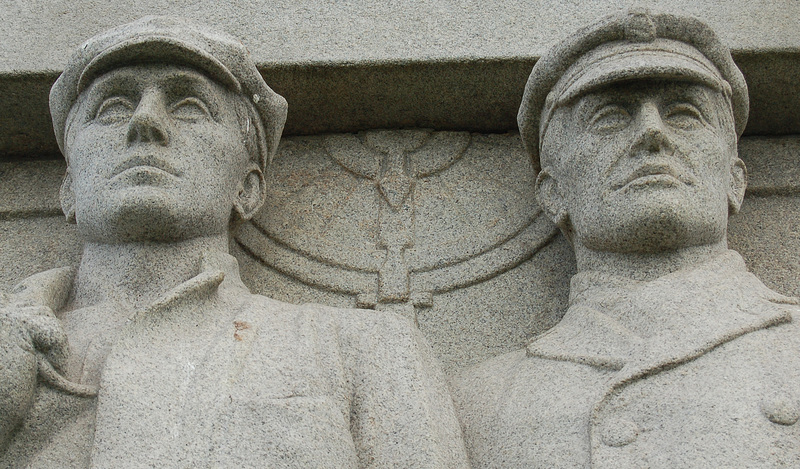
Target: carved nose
{"type": "Point", "coordinates": [652, 133]}
{"type": "Point", "coordinates": [149, 122]}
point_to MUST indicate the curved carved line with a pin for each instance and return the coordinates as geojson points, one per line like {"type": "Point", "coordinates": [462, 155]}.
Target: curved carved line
{"type": "Point", "coordinates": [305, 269]}
{"type": "Point", "coordinates": [488, 264]}
{"type": "Point", "coordinates": [364, 262]}
{"type": "Point", "coordinates": [347, 151]}
{"type": "Point", "coordinates": [502, 258]}
{"type": "Point", "coordinates": [455, 149]}
{"type": "Point", "coordinates": [357, 158]}
{"type": "Point", "coordinates": [426, 265]}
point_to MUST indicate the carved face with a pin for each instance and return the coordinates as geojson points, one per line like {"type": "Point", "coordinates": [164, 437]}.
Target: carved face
{"type": "Point", "coordinates": [642, 167]}
{"type": "Point", "coordinates": [156, 152]}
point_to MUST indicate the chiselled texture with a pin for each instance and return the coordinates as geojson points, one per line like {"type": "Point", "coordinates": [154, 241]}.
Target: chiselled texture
{"type": "Point", "coordinates": [671, 354]}
{"type": "Point", "coordinates": [428, 224]}
{"type": "Point", "coordinates": [152, 352]}
{"type": "Point", "coordinates": [464, 325]}
{"type": "Point", "coordinates": [390, 216]}
{"type": "Point", "coordinates": [719, 389]}
{"type": "Point", "coordinates": [212, 376]}
{"type": "Point", "coordinates": [350, 66]}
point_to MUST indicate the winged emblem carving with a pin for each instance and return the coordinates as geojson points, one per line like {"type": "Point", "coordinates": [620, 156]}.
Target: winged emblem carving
{"type": "Point", "coordinates": [394, 217]}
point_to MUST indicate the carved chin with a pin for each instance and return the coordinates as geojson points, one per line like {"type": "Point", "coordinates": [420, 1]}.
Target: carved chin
{"type": "Point", "coordinates": [654, 229]}
{"type": "Point", "coordinates": [134, 217]}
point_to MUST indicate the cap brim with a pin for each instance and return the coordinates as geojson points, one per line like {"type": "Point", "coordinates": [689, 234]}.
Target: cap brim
{"type": "Point", "coordinates": [637, 65]}
{"type": "Point", "coordinates": [154, 48]}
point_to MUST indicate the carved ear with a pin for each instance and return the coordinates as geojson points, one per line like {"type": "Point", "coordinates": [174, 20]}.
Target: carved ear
{"type": "Point", "coordinates": [251, 195]}
{"type": "Point", "coordinates": [738, 185]}
{"type": "Point", "coordinates": [551, 200]}
{"type": "Point", "coordinates": [67, 197]}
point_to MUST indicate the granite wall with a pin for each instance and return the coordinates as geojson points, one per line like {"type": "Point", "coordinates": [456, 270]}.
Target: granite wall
{"type": "Point", "coordinates": [433, 218]}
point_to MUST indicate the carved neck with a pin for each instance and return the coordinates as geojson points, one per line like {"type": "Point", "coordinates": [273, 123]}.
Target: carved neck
{"type": "Point", "coordinates": [136, 274]}
{"type": "Point", "coordinates": [646, 266]}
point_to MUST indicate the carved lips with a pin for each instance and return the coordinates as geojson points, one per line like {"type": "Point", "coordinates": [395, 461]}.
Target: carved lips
{"type": "Point", "coordinates": [660, 174]}
{"type": "Point", "coordinates": [143, 169]}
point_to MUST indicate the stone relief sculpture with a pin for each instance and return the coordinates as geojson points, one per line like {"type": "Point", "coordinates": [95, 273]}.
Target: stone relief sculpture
{"type": "Point", "coordinates": [394, 261]}
{"type": "Point", "coordinates": [341, 207]}
{"type": "Point", "coordinates": [152, 353]}
{"type": "Point", "coordinates": [671, 354]}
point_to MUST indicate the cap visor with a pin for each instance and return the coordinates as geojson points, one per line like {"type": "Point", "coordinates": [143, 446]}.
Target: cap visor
{"type": "Point", "coordinates": [637, 65]}
{"type": "Point", "coordinates": [157, 49]}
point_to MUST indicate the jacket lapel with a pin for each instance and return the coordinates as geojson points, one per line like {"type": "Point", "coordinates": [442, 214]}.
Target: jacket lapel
{"type": "Point", "coordinates": [678, 317]}
{"type": "Point", "coordinates": [589, 337]}
{"type": "Point", "coordinates": [714, 303]}
{"type": "Point", "coordinates": [163, 379]}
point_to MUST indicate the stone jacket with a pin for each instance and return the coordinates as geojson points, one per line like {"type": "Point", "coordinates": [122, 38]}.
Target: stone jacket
{"type": "Point", "coordinates": [213, 376]}
{"type": "Point", "coordinates": [699, 368]}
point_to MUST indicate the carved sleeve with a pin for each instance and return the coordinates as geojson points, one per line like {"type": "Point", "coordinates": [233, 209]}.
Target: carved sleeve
{"type": "Point", "coordinates": [401, 414]}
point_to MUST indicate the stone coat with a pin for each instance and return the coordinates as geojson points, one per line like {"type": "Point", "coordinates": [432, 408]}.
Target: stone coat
{"type": "Point", "coordinates": [709, 378]}
{"type": "Point", "coordinates": [213, 376]}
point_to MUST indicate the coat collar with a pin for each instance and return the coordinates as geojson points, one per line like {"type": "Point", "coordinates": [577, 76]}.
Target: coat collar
{"type": "Point", "coordinates": [218, 272]}
{"type": "Point", "coordinates": [717, 300]}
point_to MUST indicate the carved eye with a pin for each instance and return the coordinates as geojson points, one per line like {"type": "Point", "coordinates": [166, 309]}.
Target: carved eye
{"type": "Point", "coordinates": [114, 111]}
{"type": "Point", "coordinates": [610, 118]}
{"type": "Point", "coordinates": [190, 109]}
{"type": "Point", "coordinates": [684, 116]}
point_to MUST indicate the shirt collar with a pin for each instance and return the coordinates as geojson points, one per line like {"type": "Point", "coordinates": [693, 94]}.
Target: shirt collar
{"type": "Point", "coordinates": [218, 273]}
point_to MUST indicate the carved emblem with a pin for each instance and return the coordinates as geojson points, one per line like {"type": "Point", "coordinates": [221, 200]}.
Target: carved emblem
{"type": "Point", "coordinates": [393, 217]}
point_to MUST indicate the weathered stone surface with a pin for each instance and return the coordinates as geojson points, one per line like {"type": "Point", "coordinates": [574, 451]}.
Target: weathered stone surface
{"type": "Point", "coordinates": [151, 352]}
{"type": "Point", "coordinates": [464, 325]}
{"type": "Point", "coordinates": [40, 35]}
{"type": "Point", "coordinates": [360, 65]}
{"type": "Point", "coordinates": [31, 245]}
{"type": "Point", "coordinates": [30, 188]}
{"type": "Point", "coordinates": [670, 354]}
{"type": "Point", "coordinates": [766, 233]}
{"type": "Point", "coordinates": [772, 165]}
{"type": "Point", "coordinates": [437, 225]}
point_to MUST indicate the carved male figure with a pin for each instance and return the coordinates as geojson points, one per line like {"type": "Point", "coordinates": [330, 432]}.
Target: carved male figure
{"type": "Point", "coordinates": [153, 353]}
{"type": "Point", "coordinates": [670, 354]}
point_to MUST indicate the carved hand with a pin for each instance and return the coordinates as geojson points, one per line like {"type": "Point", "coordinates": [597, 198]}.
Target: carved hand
{"type": "Point", "coordinates": [32, 343]}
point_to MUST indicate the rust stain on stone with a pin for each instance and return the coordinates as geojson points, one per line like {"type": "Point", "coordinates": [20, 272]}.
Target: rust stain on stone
{"type": "Point", "coordinates": [239, 326]}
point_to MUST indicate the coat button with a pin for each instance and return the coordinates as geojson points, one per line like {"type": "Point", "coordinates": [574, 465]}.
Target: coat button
{"type": "Point", "coordinates": [781, 409]}
{"type": "Point", "coordinates": [619, 432]}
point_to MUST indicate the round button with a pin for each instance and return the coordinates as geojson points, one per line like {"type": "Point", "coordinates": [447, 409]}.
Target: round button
{"type": "Point", "coordinates": [619, 432]}
{"type": "Point", "coordinates": [781, 409]}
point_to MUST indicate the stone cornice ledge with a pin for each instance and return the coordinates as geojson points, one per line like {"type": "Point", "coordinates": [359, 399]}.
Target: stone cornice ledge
{"type": "Point", "coordinates": [475, 94]}
{"type": "Point", "coordinates": [363, 64]}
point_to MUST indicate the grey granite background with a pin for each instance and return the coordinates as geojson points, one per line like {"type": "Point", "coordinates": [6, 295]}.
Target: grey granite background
{"type": "Point", "coordinates": [517, 289]}
{"type": "Point", "coordinates": [349, 66]}
{"type": "Point", "coordinates": [499, 275]}
{"type": "Point", "coordinates": [401, 183]}
{"type": "Point", "coordinates": [36, 34]}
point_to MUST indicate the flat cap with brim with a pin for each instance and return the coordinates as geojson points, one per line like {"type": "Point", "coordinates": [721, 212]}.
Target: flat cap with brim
{"type": "Point", "coordinates": [175, 41]}
{"type": "Point", "coordinates": [630, 46]}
